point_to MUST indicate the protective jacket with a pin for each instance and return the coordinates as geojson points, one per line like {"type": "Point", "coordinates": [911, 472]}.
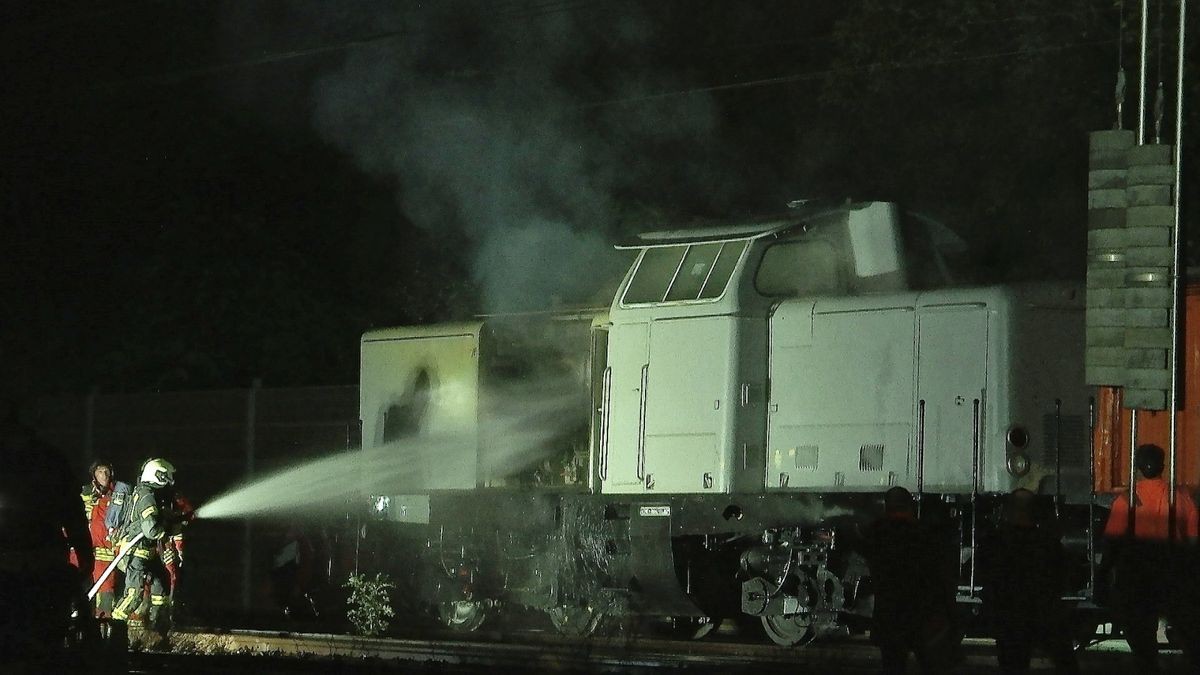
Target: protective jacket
{"type": "Point", "coordinates": [97, 501]}
{"type": "Point", "coordinates": [1151, 514]}
{"type": "Point", "coordinates": [144, 515]}
{"type": "Point", "coordinates": [180, 512]}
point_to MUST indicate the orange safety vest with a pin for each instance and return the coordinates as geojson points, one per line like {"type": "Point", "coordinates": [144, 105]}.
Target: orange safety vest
{"type": "Point", "coordinates": [1152, 514]}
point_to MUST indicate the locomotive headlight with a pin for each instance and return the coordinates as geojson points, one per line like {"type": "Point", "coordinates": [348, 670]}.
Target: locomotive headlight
{"type": "Point", "coordinates": [1018, 437]}
{"type": "Point", "coordinates": [1018, 464]}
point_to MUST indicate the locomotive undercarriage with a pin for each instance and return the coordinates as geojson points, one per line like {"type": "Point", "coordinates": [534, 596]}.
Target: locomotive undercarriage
{"type": "Point", "coordinates": [791, 562]}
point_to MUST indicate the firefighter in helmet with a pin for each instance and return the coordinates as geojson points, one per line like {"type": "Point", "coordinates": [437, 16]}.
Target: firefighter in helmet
{"type": "Point", "coordinates": [147, 515]}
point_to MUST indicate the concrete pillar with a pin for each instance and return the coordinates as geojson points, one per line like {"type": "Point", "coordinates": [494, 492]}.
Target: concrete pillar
{"type": "Point", "coordinates": [248, 527]}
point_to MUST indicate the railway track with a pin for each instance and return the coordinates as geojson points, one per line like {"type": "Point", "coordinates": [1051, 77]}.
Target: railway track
{"type": "Point", "coordinates": [549, 653]}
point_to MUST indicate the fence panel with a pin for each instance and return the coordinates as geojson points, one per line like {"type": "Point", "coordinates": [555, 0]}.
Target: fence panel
{"type": "Point", "coordinates": [217, 440]}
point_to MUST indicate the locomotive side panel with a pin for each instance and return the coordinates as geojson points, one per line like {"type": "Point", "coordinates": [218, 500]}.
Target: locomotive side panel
{"type": "Point", "coordinates": [952, 379]}
{"type": "Point", "coordinates": [422, 381]}
{"type": "Point", "coordinates": [841, 399]}
{"type": "Point", "coordinates": [1047, 432]}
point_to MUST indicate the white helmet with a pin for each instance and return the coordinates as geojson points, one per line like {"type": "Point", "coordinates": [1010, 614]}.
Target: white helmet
{"type": "Point", "coordinates": [158, 472]}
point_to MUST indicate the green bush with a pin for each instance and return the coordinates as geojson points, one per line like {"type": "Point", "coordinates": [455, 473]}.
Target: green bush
{"type": "Point", "coordinates": [370, 608]}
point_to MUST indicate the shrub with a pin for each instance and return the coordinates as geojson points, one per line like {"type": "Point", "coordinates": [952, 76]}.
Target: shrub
{"type": "Point", "coordinates": [370, 608]}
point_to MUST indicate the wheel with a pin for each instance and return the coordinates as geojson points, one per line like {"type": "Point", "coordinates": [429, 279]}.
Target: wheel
{"type": "Point", "coordinates": [575, 621]}
{"type": "Point", "coordinates": [462, 615]}
{"type": "Point", "coordinates": [789, 630]}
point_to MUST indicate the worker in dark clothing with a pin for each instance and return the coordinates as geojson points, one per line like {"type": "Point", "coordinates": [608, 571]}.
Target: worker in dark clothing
{"type": "Point", "coordinates": [1021, 568]}
{"type": "Point", "coordinates": [40, 516]}
{"type": "Point", "coordinates": [292, 575]}
{"type": "Point", "coordinates": [147, 515]}
{"type": "Point", "coordinates": [913, 589]}
{"type": "Point", "coordinates": [1149, 551]}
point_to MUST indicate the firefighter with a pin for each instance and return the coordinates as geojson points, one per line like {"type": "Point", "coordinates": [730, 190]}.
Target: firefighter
{"type": "Point", "coordinates": [180, 513]}
{"type": "Point", "coordinates": [1146, 550]}
{"type": "Point", "coordinates": [913, 589]}
{"type": "Point", "coordinates": [147, 514]}
{"type": "Point", "coordinates": [38, 504]}
{"type": "Point", "coordinates": [98, 495]}
{"type": "Point", "coordinates": [1021, 567]}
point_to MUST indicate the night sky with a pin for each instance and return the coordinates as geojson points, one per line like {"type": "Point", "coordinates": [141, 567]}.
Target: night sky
{"type": "Point", "coordinates": [196, 194]}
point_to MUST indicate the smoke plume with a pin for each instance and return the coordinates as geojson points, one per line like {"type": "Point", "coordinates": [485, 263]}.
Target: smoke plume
{"type": "Point", "coordinates": [480, 113]}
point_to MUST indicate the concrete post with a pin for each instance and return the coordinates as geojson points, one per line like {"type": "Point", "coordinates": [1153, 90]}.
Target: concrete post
{"type": "Point", "coordinates": [248, 527]}
{"type": "Point", "coordinates": [89, 425]}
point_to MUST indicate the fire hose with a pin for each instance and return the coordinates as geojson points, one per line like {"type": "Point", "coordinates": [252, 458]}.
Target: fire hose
{"type": "Point", "coordinates": [113, 565]}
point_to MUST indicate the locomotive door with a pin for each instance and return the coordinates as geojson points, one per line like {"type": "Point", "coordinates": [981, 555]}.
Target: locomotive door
{"type": "Point", "coordinates": [621, 444]}
{"type": "Point", "coordinates": [690, 404]}
{"type": "Point", "coordinates": [951, 377]}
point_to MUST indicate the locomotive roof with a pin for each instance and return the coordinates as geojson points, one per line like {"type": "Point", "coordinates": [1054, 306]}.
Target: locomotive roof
{"type": "Point", "coordinates": [746, 228]}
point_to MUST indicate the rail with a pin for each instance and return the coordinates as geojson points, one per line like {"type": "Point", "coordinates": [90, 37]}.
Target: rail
{"type": "Point", "coordinates": [486, 651]}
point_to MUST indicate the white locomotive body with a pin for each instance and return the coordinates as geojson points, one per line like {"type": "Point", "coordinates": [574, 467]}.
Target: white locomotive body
{"type": "Point", "coordinates": [741, 407]}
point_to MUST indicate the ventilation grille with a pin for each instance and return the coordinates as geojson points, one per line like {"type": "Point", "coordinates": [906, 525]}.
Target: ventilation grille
{"type": "Point", "coordinates": [806, 457]}
{"type": "Point", "coordinates": [870, 457]}
{"type": "Point", "coordinates": [1074, 440]}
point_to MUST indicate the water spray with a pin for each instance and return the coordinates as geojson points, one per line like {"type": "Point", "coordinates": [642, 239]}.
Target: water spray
{"type": "Point", "coordinates": [522, 422]}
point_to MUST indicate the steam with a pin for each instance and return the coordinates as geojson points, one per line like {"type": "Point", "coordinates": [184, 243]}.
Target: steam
{"type": "Point", "coordinates": [480, 115]}
{"type": "Point", "coordinates": [524, 424]}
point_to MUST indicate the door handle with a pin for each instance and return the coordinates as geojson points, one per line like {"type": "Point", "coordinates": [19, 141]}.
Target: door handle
{"type": "Point", "coordinates": [641, 437]}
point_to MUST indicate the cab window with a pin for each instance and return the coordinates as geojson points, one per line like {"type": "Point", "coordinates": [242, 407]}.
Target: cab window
{"type": "Point", "coordinates": [683, 273]}
{"type": "Point", "coordinates": [654, 273]}
{"type": "Point", "coordinates": [795, 268]}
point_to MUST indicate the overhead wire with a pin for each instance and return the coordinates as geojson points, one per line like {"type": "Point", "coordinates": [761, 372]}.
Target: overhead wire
{"type": "Point", "coordinates": [525, 11]}
{"type": "Point", "coordinates": [797, 77]}
{"type": "Point", "coordinates": [539, 10]}
{"type": "Point", "coordinates": [979, 22]}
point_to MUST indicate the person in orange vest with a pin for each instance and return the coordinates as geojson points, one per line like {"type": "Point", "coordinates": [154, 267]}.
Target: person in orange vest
{"type": "Point", "coordinates": [1146, 546]}
{"type": "Point", "coordinates": [97, 495]}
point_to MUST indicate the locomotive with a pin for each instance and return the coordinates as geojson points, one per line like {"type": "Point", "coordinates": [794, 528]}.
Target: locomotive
{"type": "Point", "coordinates": [712, 443]}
